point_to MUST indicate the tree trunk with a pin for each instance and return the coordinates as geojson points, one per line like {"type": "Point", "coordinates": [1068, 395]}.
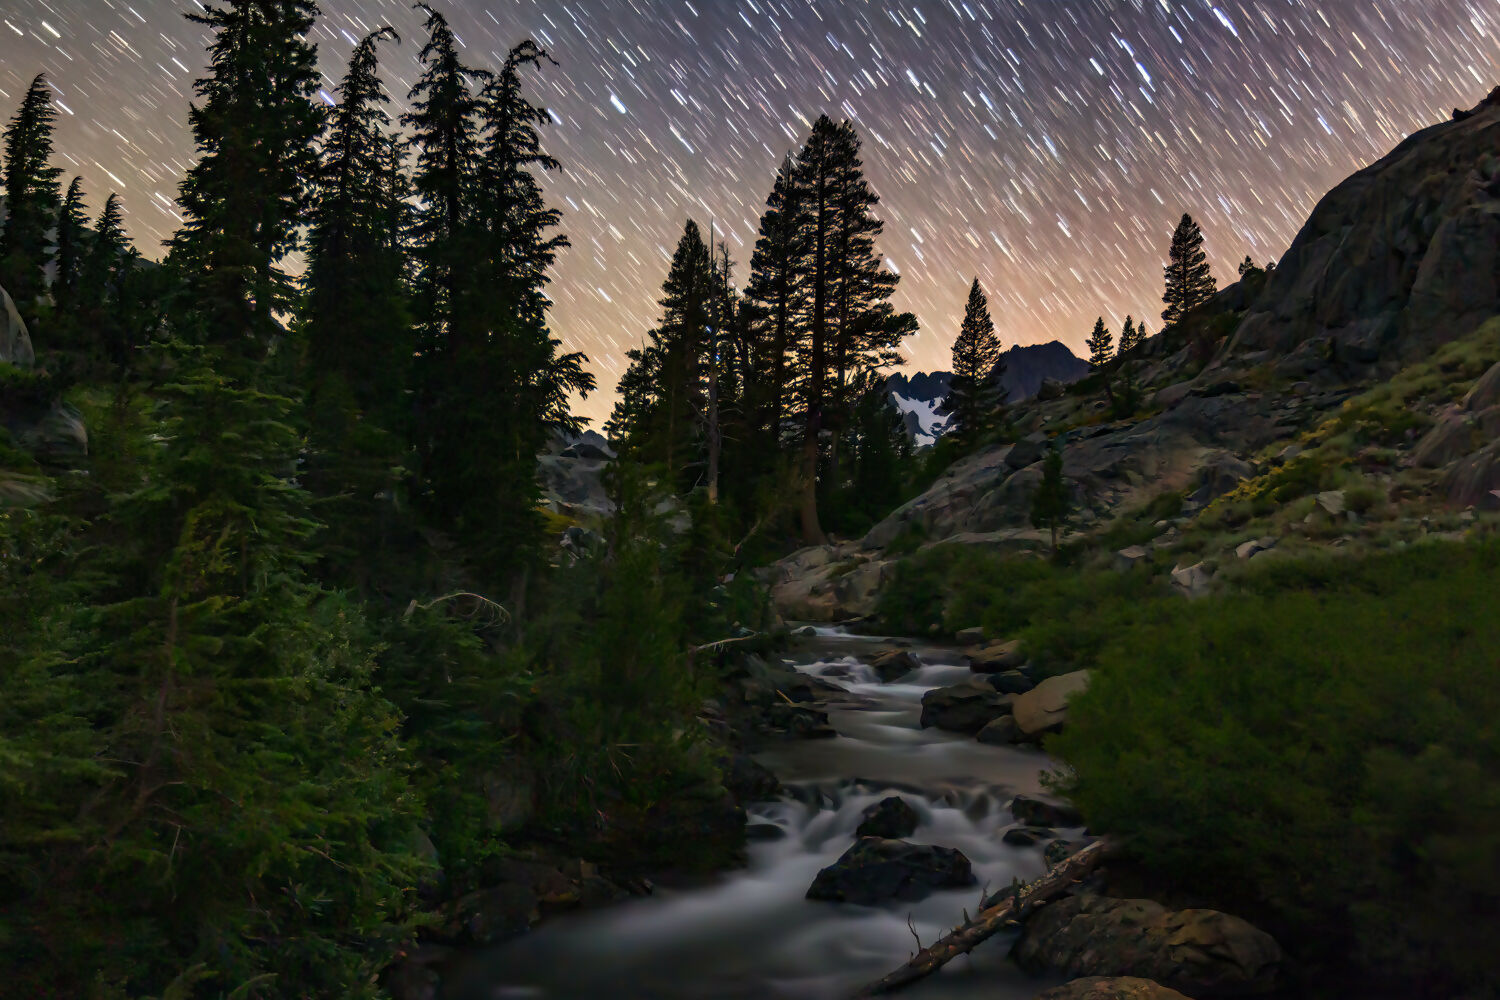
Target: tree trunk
{"type": "Point", "coordinates": [812, 530]}
{"type": "Point", "coordinates": [1009, 910]}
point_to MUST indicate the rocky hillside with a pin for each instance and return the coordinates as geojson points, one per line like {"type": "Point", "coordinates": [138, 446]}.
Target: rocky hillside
{"type": "Point", "coordinates": [1350, 397]}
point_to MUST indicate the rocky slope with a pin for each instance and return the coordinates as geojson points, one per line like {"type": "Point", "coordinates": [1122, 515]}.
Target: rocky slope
{"type": "Point", "coordinates": [1349, 397]}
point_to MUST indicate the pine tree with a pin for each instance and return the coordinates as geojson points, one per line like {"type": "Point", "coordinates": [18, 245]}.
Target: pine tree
{"type": "Point", "coordinates": [118, 298]}
{"type": "Point", "coordinates": [658, 417]}
{"type": "Point", "coordinates": [108, 255]}
{"type": "Point", "coordinates": [851, 327]}
{"type": "Point", "coordinates": [357, 325]}
{"type": "Point", "coordinates": [245, 199]}
{"type": "Point", "coordinates": [1189, 282]}
{"type": "Point", "coordinates": [493, 383]}
{"type": "Point", "coordinates": [1049, 506]}
{"type": "Point", "coordinates": [866, 328]}
{"type": "Point", "coordinates": [1100, 345]}
{"type": "Point", "coordinates": [71, 240]}
{"type": "Point", "coordinates": [31, 196]}
{"type": "Point", "coordinates": [974, 395]}
{"type": "Point", "coordinates": [775, 303]}
{"type": "Point", "coordinates": [444, 124]}
{"type": "Point", "coordinates": [1131, 336]}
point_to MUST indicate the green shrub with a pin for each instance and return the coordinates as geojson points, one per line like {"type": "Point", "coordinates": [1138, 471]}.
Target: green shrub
{"type": "Point", "coordinates": [1316, 751]}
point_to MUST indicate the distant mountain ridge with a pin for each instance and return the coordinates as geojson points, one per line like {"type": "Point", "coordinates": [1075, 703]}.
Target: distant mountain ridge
{"type": "Point", "coordinates": [919, 396]}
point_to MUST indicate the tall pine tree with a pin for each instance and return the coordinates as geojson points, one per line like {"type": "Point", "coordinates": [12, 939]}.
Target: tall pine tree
{"type": "Point", "coordinates": [357, 325]}
{"type": "Point", "coordinates": [31, 196]}
{"type": "Point", "coordinates": [444, 124]}
{"type": "Point", "coordinates": [1101, 345]}
{"type": "Point", "coordinates": [851, 327]}
{"type": "Point", "coordinates": [774, 312]}
{"type": "Point", "coordinates": [492, 382]}
{"type": "Point", "coordinates": [1130, 335]}
{"type": "Point", "coordinates": [973, 402]}
{"type": "Point", "coordinates": [663, 394]}
{"type": "Point", "coordinates": [245, 199]}
{"type": "Point", "coordinates": [1189, 282]}
{"type": "Point", "coordinates": [71, 229]}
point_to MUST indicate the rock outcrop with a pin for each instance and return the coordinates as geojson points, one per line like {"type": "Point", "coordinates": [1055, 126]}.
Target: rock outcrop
{"type": "Point", "coordinates": [891, 818]}
{"type": "Point", "coordinates": [965, 707]}
{"type": "Point", "coordinates": [1110, 988]}
{"type": "Point", "coordinates": [876, 871]}
{"type": "Point", "coordinates": [1402, 256]}
{"type": "Point", "coordinates": [15, 342]}
{"type": "Point", "coordinates": [1045, 707]}
{"type": "Point", "coordinates": [1204, 953]}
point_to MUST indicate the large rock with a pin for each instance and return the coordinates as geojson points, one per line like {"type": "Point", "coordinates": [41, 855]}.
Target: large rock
{"type": "Point", "coordinates": [15, 342]}
{"type": "Point", "coordinates": [573, 481]}
{"type": "Point", "coordinates": [996, 657]}
{"type": "Point", "coordinates": [877, 871]}
{"type": "Point", "coordinates": [965, 707]}
{"type": "Point", "coordinates": [889, 664]}
{"type": "Point", "coordinates": [1027, 451]}
{"type": "Point", "coordinates": [1475, 481]}
{"type": "Point", "coordinates": [1204, 953]}
{"type": "Point", "coordinates": [1110, 988]}
{"type": "Point", "coordinates": [1449, 439]}
{"type": "Point", "coordinates": [1045, 707]}
{"type": "Point", "coordinates": [1222, 473]}
{"type": "Point", "coordinates": [748, 780]}
{"type": "Point", "coordinates": [1001, 732]}
{"type": "Point", "coordinates": [1033, 811]}
{"type": "Point", "coordinates": [858, 591]}
{"type": "Point", "coordinates": [1486, 392]}
{"type": "Point", "coordinates": [59, 436]}
{"type": "Point", "coordinates": [891, 818]}
{"type": "Point", "coordinates": [1192, 581]}
{"type": "Point", "coordinates": [1401, 256]}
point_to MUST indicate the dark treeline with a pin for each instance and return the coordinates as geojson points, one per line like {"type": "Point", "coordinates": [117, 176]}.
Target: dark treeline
{"type": "Point", "coordinates": [772, 399]}
{"type": "Point", "coordinates": [276, 653]}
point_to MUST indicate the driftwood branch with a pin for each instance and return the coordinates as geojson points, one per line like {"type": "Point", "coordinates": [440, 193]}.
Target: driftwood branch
{"type": "Point", "coordinates": [1008, 910]}
{"type": "Point", "coordinates": [495, 612]}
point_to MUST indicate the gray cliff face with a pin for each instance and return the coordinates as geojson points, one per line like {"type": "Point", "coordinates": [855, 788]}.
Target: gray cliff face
{"type": "Point", "coordinates": [15, 342]}
{"type": "Point", "coordinates": [1396, 262]}
{"type": "Point", "coordinates": [1400, 257]}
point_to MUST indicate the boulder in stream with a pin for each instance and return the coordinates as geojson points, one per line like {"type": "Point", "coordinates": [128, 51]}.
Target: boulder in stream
{"type": "Point", "coordinates": [1027, 836]}
{"type": "Point", "coordinates": [1001, 732]}
{"type": "Point", "coordinates": [965, 707]}
{"type": "Point", "coordinates": [891, 818]}
{"type": "Point", "coordinates": [1202, 952]}
{"type": "Point", "coordinates": [1045, 707]}
{"type": "Point", "coordinates": [875, 871]}
{"type": "Point", "coordinates": [890, 664]}
{"type": "Point", "coordinates": [1032, 811]}
{"type": "Point", "coordinates": [996, 657]}
{"type": "Point", "coordinates": [1110, 988]}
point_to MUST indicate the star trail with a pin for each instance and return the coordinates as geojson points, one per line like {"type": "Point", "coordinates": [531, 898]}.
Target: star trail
{"type": "Point", "coordinates": [1046, 147]}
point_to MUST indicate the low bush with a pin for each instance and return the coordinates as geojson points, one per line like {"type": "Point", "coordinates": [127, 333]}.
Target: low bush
{"type": "Point", "coordinates": [1317, 751]}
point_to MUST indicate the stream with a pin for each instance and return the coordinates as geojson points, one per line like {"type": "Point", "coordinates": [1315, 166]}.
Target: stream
{"type": "Point", "coordinates": [751, 933]}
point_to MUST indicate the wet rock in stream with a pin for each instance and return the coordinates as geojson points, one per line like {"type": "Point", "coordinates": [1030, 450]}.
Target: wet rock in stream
{"type": "Point", "coordinates": [875, 871]}
{"type": "Point", "coordinates": [891, 818]}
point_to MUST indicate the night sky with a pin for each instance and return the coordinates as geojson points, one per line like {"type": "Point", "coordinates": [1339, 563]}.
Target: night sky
{"type": "Point", "coordinates": [1047, 146]}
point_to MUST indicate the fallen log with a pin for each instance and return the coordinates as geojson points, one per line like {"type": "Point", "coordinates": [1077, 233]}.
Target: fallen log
{"type": "Point", "coordinates": [989, 921]}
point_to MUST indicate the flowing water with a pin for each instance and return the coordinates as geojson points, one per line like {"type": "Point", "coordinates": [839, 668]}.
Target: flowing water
{"type": "Point", "coordinates": [752, 934]}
